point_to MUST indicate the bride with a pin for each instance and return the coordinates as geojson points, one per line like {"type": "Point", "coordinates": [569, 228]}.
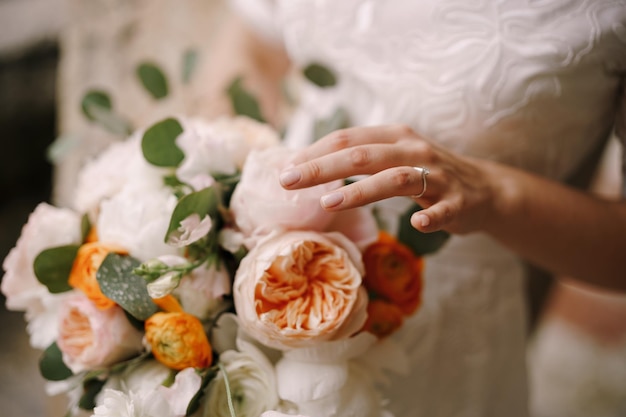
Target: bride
{"type": "Point", "coordinates": [482, 111]}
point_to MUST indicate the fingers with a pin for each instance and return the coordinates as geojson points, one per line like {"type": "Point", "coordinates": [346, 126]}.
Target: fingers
{"type": "Point", "coordinates": [397, 181]}
{"type": "Point", "coordinates": [348, 138]}
{"type": "Point", "coordinates": [436, 217]}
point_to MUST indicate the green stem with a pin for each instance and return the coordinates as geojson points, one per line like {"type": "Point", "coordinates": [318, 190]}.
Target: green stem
{"type": "Point", "coordinates": [229, 395]}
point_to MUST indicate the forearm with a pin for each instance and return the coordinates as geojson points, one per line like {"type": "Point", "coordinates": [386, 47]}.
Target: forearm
{"type": "Point", "coordinates": [564, 230]}
{"type": "Point", "coordinates": [240, 52]}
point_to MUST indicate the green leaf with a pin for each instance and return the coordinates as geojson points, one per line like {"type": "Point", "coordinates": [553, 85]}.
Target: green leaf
{"type": "Point", "coordinates": [190, 60]}
{"type": "Point", "coordinates": [420, 243]}
{"type": "Point", "coordinates": [85, 227]}
{"type": "Point", "coordinates": [119, 283]}
{"type": "Point", "coordinates": [243, 102]}
{"type": "Point", "coordinates": [98, 108]}
{"type": "Point", "coordinates": [203, 202]}
{"type": "Point", "coordinates": [51, 364]}
{"type": "Point", "coordinates": [338, 120]}
{"type": "Point", "coordinates": [159, 144]}
{"type": "Point", "coordinates": [153, 80]}
{"type": "Point", "coordinates": [91, 388]}
{"type": "Point", "coordinates": [53, 266]}
{"type": "Point", "coordinates": [95, 99]}
{"type": "Point", "coordinates": [320, 75]}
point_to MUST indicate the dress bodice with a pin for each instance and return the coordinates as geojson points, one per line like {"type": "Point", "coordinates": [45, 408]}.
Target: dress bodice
{"type": "Point", "coordinates": [534, 84]}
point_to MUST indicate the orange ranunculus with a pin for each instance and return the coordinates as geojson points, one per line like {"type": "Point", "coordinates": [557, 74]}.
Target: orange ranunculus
{"type": "Point", "coordinates": [83, 274]}
{"type": "Point", "coordinates": [168, 303]}
{"type": "Point", "coordinates": [394, 273]}
{"type": "Point", "coordinates": [383, 318]}
{"type": "Point", "coordinates": [178, 340]}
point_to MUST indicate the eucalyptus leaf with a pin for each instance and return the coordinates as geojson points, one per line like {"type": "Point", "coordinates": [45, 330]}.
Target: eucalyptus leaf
{"type": "Point", "coordinates": [420, 243]}
{"type": "Point", "coordinates": [62, 147]}
{"type": "Point", "coordinates": [51, 364]}
{"type": "Point", "coordinates": [320, 75]}
{"type": "Point", "coordinates": [338, 120]}
{"type": "Point", "coordinates": [118, 282]}
{"type": "Point", "coordinates": [112, 122]}
{"type": "Point", "coordinates": [95, 99]}
{"type": "Point", "coordinates": [159, 144]}
{"type": "Point", "coordinates": [244, 103]}
{"type": "Point", "coordinates": [203, 203]}
{"type": "Point", "coordinates": [153, 79]}
{"type": "Point", "coordinates": [53, 266]}
{"type": "Point", "coordinates": [190, 61]}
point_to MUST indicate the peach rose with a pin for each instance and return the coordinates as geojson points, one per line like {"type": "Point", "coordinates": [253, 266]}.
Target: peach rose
{"type": "Point", "coordinates": [300, 287]}
{"type": "Point", "coordinates": [91, 338]}
{"type": "Point", "coordinates": [178, 340]}
{"type": "Point", "coordinates": [260, 205]}
{"type": "Point", "coordinates": [83, 274]}
{"type": "Point", "coordinates": [394, 273]}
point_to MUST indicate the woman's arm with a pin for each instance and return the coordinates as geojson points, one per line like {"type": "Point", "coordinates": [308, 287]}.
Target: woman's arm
{"type": "Point", "coordinates": [559, 228]}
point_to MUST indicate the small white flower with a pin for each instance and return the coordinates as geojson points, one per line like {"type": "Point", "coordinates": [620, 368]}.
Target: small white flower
{"type": "Point", "coordinates": [164, 285]}
{"type": "Point", "coordinates": [191, 230]}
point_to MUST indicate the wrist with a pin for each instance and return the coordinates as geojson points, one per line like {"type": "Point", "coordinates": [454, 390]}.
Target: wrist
{"type": "Point", "coordinates": [507, 197]}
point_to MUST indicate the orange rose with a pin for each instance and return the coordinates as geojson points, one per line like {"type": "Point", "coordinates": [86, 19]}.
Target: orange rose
{"type": "Point", "coordinates": [383, 318]}
{"type": "Point", "coordinates": [83, 274]}
{"type": "Point", "coordinates": [394, 273]}
{"type": "Point", "coordinates": [178, 340]}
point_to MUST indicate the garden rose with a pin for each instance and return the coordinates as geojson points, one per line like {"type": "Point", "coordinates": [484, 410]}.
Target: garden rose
{"type": "Point", "coordinates": [260, 205]}
{"type": "Point", "coordinates": [47, 227]}
{"type": "Point", "coordinates": [178, 340]}
{"type": "Point", "coordinates": [252, 384]}
{"type": "Point", "coordinates": [91, 338]}
{"type": "Point", "coordinates": [300, 287]}
{"type": "Point", "coordinates": [83, 274]}
{"type": "Point", "coordinates": [394, 273]}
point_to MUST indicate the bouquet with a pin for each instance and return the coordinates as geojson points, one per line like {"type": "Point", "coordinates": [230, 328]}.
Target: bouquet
{"type": "Point", "coordinates": [185, 281]}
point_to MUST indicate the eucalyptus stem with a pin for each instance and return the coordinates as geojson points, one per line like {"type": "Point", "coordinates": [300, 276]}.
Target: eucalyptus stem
{"type": "Point", "coordinates": [229, 394]}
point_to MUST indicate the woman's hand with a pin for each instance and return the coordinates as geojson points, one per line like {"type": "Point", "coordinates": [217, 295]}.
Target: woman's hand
{"type": "Point", "coordinates": [461, 193]}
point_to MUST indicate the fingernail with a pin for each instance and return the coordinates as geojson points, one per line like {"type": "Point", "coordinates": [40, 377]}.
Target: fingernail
{"type": "Point", "coordinates": [332, 200]}
{"type": "Point", "coordinates": [423, 220]}
{"type": "Point", "coordinates": [290, 177]}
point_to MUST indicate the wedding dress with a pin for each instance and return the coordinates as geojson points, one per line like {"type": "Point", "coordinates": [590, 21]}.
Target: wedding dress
{"type": "Point", "coordinates": [537, 84]}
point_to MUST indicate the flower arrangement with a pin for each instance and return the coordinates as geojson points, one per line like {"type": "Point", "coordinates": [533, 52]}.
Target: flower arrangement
{"type": "Point", "coordinates": [185, 281]}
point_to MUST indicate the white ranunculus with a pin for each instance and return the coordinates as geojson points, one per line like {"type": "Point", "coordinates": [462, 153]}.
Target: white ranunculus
{"type": "Point", "coordinates": [137, 219]}
{"type": "Point", "coordinates": [113, 169]}
{"type": "Point", "coordinates": [186, 385]}
{"type": "Point", "coordinates": [201, 293]}
{"type": "Point", "coordinates": [252, 384]}
{"type": "Point", "coordinates": [47, 227]}
{"type": "Point", "coordinates": [145, 375]}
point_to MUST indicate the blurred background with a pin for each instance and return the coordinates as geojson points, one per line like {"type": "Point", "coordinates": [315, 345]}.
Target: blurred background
{"type": "Point", "coordinates": [54, 51]}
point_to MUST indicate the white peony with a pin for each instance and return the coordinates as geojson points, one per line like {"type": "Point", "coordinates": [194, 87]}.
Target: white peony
{"type": "Point", "coordinates": [47, 227]}
{"type": "Point", "coordinates": [117, 166]}
{"type": "Point", "coordinates": [137, 219]}
{"type": "Point", "coordinates": [326, 380]}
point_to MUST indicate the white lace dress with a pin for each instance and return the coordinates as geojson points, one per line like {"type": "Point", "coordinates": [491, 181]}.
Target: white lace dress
{"type": "Point", "coordinates": [538, 84]}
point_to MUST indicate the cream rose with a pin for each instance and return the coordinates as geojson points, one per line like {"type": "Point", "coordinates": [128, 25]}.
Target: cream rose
{"type": "Point", "coordinates": [298, 288]}
{"type": "Point", "coordinates": [90, 338]}
{"type": "Point", "coordinates": [47, 227]}
{"type": "Point", "coordinates": [260, 205]}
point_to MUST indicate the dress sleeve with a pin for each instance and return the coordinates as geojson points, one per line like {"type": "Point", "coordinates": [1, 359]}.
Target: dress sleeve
{"type": "Point", "coordinates": [620, 131]}
{"type": "Point", "coordinates": [262, 17]}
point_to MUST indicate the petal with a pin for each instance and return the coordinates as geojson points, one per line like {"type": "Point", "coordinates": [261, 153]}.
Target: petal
{"type": "Point", "coordinates": [305, 381]}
